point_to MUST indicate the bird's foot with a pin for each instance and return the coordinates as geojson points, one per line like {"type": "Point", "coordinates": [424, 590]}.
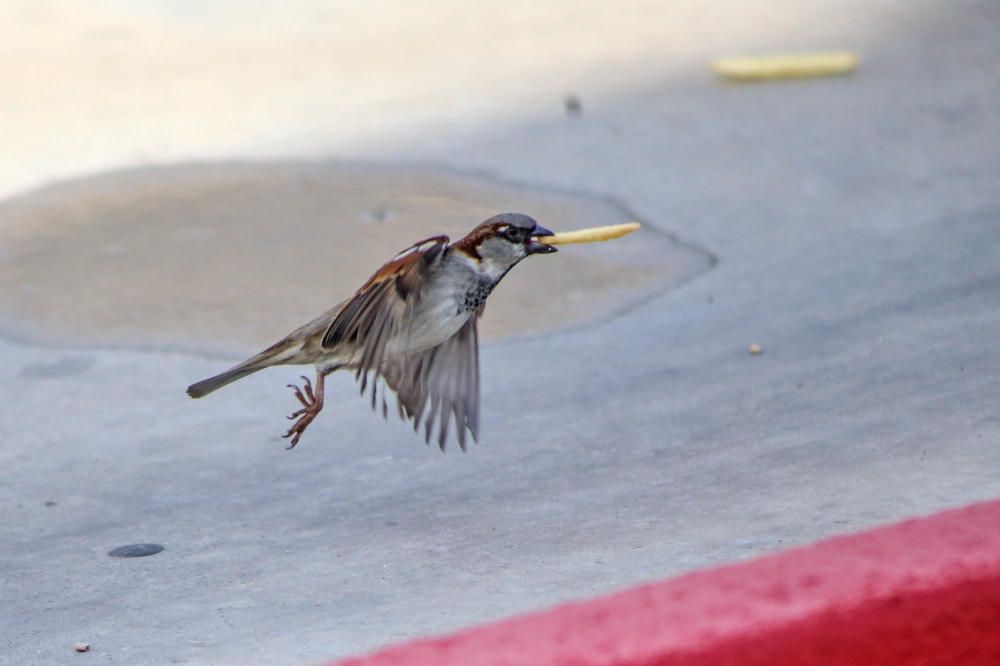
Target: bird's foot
{"type": "Point", "coordinates": [312, 405]}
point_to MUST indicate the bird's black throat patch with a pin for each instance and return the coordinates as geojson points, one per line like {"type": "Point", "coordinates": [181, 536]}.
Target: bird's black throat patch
{"type": "Point", "coordinates": [476, 296]}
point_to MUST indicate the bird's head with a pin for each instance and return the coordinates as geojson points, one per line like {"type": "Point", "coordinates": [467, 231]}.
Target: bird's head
{"type": "Point", "coordinates": [503, 240]}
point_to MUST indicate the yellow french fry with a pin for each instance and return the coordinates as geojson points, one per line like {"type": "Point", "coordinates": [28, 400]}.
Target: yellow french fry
{"type": "Point", "coordinates": [592, 235]}
{"type": "Point", "coordinates": [786, 66]}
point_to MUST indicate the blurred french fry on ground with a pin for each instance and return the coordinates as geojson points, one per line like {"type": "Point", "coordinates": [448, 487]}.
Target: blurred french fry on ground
{"type": "Point", "coordinates": [786, 66]}
{"type": "Point", "coordinates": [592, 235]}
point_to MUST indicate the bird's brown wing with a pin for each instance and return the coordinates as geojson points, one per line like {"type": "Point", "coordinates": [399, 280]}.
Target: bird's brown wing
{"type": "Point", "coordinates": [382, 308]}
{"type": "Point", "coordinates": [441, 382]}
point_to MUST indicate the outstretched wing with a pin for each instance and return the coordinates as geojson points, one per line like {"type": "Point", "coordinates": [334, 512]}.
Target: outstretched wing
{"type": "Point", "coordinates": [382, 309]}
{"type": "Point", "coordinates": [440, 383]}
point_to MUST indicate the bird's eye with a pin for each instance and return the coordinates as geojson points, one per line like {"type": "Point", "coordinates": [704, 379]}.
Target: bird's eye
{"type": "Point", "coordinates": [513, 234]}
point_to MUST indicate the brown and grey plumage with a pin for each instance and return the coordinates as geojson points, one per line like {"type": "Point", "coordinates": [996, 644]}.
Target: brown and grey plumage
{"type": "Point", "coordinates": [411, 327]}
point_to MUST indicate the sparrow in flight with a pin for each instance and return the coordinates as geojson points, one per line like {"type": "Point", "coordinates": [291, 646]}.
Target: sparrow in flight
{"type": "Point", "coordinates": [412, 326]}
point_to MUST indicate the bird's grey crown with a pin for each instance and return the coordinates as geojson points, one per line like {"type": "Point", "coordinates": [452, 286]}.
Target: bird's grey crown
{"type": "Point", "coordinates": [513, 219]}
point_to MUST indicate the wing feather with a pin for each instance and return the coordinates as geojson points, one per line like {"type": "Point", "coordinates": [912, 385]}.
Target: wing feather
{"type": "Point", "coordinates": [440, 384]}
{"type": "Point", "coordinates": [381, 311]}
{"type": "Point", "coordinates": [432, 387]}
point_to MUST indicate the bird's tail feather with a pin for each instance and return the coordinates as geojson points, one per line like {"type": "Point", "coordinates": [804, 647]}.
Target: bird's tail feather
{"type": "Point", "coordinates": [206, 386]}
{"type": "Point", "coordinates": [284, 351]}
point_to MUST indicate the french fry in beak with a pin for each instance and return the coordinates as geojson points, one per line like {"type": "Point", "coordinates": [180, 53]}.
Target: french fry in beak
{"type": "Point", "coordinates": [592, 235]}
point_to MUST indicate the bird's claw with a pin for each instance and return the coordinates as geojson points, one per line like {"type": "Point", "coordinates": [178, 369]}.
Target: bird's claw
{"type": "Point", "coordinates": [311, 407]}
{"type": "Point", "coordinates": [307, 387]}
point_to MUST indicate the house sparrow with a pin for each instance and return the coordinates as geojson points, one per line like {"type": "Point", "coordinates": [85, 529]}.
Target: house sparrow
{"type": "Point", "coordinates": [412, 325]}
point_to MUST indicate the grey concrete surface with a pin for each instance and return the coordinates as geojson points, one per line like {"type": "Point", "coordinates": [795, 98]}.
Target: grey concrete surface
{"type": "Point", "coordinates": [219, 258]}
{"type": "Point", "coordinates": [857, 226]}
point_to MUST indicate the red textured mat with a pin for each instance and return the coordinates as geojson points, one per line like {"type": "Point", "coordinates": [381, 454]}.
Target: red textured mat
{"type": "Point", "coordinates": [924, 591]}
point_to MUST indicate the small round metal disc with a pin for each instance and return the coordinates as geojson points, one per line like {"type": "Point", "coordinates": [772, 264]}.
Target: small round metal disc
{"type": "Point", "coordinates": [136, 550]}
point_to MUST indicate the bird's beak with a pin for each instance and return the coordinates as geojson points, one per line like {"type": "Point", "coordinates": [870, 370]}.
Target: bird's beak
{"type": "Point", "coordinates": [534, 247]}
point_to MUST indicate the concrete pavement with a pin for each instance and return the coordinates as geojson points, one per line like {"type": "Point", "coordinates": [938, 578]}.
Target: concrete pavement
{"type": "Point", "coordinates": [855, 221]}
